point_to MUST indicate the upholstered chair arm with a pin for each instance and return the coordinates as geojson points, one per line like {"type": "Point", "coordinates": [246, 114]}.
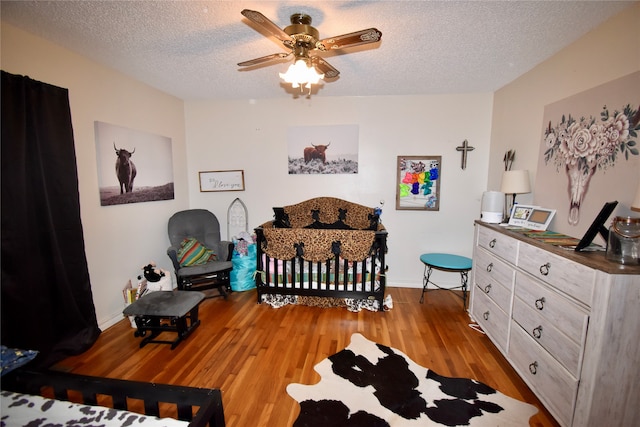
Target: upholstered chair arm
{"type": "Point", "coordinates": [226, 250]}
{"type": "Point", "coordinates": [172, 251]}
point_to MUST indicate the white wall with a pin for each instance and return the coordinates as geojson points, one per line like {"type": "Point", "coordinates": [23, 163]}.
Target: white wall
{"type": "Point", "coordinates": [252, 135]}
{"type": "Point", "coordinates": [119, 239]}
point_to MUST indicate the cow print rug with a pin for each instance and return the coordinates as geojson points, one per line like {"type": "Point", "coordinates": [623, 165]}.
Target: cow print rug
{"type": "Point", "coordinates": [372, 385]}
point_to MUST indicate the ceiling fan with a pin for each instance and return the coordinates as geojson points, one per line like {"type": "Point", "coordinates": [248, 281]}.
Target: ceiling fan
{"type": "Point", "coordinates": [302, 40]}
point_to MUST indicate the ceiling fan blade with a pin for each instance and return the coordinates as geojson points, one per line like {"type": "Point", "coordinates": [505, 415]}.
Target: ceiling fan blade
{"type": "Point", "coordinates": [264, 22]}
{"type": "Point", "coordinates": [370, 35]}
{"type": "Point", "coordinates": [263, 59]}
{"type": "Point", "coordinates": [324, 67]}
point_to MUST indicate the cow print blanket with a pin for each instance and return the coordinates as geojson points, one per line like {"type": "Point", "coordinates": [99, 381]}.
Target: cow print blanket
{"type": "Point", "coordinates": [37, 411]}
{"type": "Point", "coordinates": [369, 384]}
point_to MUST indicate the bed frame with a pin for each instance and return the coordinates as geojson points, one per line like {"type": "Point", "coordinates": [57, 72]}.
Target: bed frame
{"type": "Point", "coordinates": [323, 247]}
{"type": "Point", "coordinates": [159, 400]}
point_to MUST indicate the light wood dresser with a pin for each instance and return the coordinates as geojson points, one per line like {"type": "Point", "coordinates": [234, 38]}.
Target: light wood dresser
{"type": "Point", "coordinates": [568, 322]}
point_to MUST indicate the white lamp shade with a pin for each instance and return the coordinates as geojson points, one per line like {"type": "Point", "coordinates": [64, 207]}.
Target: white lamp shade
{"type": "Point", "coordinates": [515, 182]}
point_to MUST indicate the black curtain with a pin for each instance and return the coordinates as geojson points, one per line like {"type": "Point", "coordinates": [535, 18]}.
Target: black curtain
{"type": "Point", "coordinates": [47, 304]}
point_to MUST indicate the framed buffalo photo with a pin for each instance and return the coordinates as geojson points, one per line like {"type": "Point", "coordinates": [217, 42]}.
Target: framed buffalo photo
{"type": "Point", "coordinates": [418, 183]}
{"type": "Point", "coordinates": [232, 180]}
{"type": "Point", "coordinates": [331, 149]}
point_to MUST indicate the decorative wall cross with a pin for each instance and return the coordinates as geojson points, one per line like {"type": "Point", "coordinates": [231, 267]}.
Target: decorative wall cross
{"type": "Point", "coordinates": [464, 148]}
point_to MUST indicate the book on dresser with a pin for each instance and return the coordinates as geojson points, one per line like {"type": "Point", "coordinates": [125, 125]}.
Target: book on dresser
{"type": "Point", "coordinates": [567, 321]}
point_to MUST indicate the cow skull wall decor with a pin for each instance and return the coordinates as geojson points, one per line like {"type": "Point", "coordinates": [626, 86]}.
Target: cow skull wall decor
{"type": "Point", "coordinates": [583, 146]}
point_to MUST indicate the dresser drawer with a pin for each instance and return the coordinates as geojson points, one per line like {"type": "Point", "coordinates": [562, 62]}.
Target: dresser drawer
{"type": "Point", "coordinates": [553, 384]}
{"type": "Point", "coordinates": [498, 244]}
{"type": "Point", "coordinates": [493, 269]}
{"type": "Point", "coordinates": [560, 346]}
{"type": "Point", "coordinates": [552, 308]}
{"type": "Point", "coordinates": [494, 289]}
{"type": "Point", "coordinates": [571, 278]}
{"type": "Point", "coordinates": [493, 320]}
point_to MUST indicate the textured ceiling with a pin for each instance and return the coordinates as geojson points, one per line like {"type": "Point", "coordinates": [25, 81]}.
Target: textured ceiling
{"type": "Point", "coordinates": [190, 48]}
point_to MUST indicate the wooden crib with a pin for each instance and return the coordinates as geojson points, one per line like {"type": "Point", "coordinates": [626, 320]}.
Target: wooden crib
{"type": "Point", "coordinates": [323, 247]}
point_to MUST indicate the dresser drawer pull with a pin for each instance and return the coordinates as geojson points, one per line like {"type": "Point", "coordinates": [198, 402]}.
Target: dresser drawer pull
{"type": "Point", "coordinates": [485, 315]}
{"type": "Point", "coordinates": [537, 332]}
{"type": "Point", "coordinates": [487, 288]}
{"type": "Point", "coordinates": [533, 368]}
{"type": "Point", "coordinates": [540, 303]}
{"type": "Point", "coordinates": [489, 267]}
{"type": "Point", "coordinates": [544, 268]}
{"type": "Point", "coordinates": [492, 243]}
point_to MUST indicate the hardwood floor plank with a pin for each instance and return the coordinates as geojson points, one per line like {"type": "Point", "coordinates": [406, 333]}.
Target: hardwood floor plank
{"type": "Point", "coordinates": [252, 351]}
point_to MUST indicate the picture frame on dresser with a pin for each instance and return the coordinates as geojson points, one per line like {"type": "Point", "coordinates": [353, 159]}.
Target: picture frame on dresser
{"type": "Point", "coordinates": [519, 214]}
{"type": "Point", "coordinates": [531, 217]}
{"type": "Point", "coordinates": [597, 226]}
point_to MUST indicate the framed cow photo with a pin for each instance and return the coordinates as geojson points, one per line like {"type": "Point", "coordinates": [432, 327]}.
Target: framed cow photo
{"type": "Point", "coordinates": [418, 183]}
{"type": "Point", "coordinates": [323, 149]}
{"type": "Point", "coordinates": [133, 166]}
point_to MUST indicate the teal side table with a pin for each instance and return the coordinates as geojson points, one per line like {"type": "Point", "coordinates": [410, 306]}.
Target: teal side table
{"type": "Point", "coordinates": [446, 262]}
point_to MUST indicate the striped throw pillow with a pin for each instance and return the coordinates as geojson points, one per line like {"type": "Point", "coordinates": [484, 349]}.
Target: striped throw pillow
{"type": "Point", "coordinates": [192, 252]}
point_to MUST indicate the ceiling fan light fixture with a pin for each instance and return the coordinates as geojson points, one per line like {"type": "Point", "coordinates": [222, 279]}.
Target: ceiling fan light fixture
{"type": "Point", "coordinates": [302, 41]}
{"type": "Point", "coordinates": [301, 74]}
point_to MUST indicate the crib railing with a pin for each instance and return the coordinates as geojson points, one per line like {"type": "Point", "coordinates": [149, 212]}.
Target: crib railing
{"type": "Point", "coordinates": [335, 277]}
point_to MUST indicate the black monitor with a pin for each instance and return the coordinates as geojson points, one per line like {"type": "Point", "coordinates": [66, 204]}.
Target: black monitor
{"type": "Point", "coordinates": [597, 226]}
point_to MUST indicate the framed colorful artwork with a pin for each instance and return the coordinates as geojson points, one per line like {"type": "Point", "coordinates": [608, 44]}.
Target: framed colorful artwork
{"type": "Point", "coordinates": [418, 185]}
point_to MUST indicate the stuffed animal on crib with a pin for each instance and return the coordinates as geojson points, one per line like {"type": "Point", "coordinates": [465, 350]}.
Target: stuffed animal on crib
{"type": "Point", "coordinates": [151, 273]}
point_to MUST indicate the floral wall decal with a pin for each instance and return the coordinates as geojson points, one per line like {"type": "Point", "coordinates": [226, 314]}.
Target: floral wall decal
{"type": "Point", "coordinates": [583, 146]}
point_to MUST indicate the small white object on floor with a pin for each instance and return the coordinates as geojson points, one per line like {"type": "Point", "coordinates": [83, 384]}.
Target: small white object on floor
{"type": "Point", "coordinates": [476, 327]}
{"type": "Point", "coordinates": [388, 303]}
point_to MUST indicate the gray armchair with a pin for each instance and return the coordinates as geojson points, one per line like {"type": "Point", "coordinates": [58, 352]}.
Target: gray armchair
{"type": "Point", "coordinates": [203, 226]}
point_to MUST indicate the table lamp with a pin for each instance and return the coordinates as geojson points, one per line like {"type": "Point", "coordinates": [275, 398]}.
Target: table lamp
{"type": "Point", "coordinates": [514, 182]}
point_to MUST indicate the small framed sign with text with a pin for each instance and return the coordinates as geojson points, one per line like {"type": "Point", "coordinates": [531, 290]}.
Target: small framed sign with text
{"type": "Point", "coordinates": [232, 180]}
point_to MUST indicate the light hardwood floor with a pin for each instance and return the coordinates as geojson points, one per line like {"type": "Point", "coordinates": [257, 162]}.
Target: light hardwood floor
{"type": "Point", "coordinates": [252, 351]}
